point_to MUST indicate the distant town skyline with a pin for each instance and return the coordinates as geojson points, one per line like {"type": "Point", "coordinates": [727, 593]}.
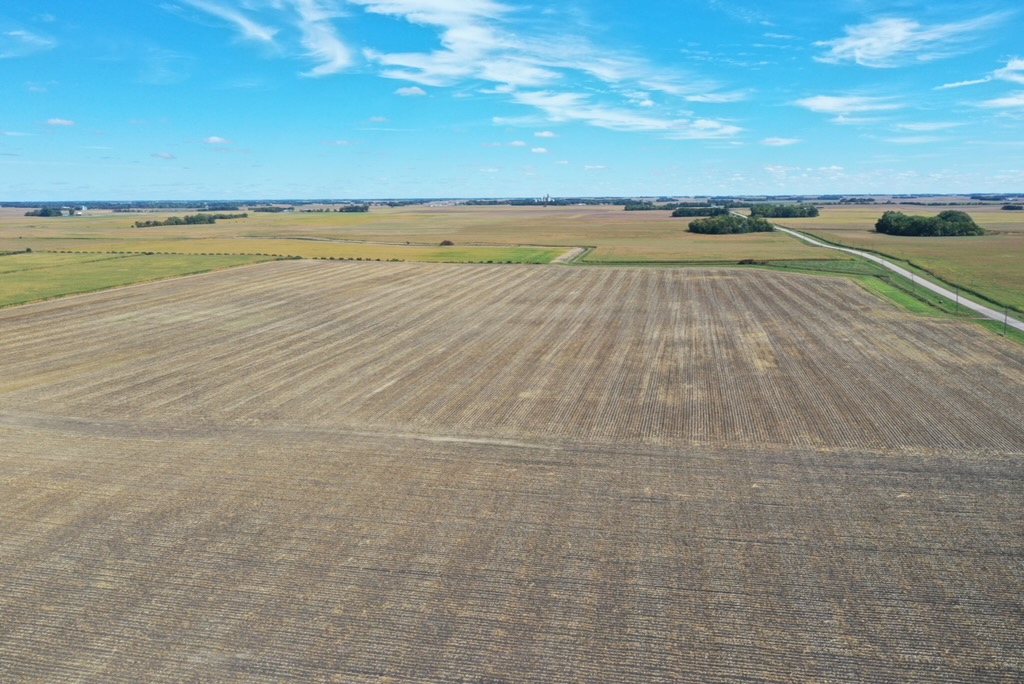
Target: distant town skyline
{"type": "Point", "coordinates": [245, 99]}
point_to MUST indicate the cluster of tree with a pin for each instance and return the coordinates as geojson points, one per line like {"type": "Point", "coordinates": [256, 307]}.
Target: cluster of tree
{"type": "Point", "coordinates": [784, 210]}
{"type": "Point", "coordinates": [45, 211]}
{"type": "Point", "coordinates": [950, 222]}
{"type": "Point", "coordinates": [273, 210]}
{"type": "Point", "coordinates": [189, 220]}
{"type": "Point", "coordinates": [703, 210]}
{"type": "Point", "coordinates": [729, 224]}
{"type": "Point", "coordinates": [1013, 207]}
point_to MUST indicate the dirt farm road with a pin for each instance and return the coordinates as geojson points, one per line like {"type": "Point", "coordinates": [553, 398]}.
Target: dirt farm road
{"type": "Point", "coordinates": [998, 316]}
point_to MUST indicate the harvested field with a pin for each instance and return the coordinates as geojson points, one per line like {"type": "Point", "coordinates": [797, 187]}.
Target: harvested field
{"type": "Point", "coordinates": [618, 235]}
{"type": "Point", "coordinates": [414, 472]}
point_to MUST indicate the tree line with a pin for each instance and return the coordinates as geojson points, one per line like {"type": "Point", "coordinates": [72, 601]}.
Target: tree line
{"type": "Point", "coordinates": [728, 224]}
{"type": "Point", "coordinates": [189, 220]}
{"type": "Point", "coordinates": [784, 210]}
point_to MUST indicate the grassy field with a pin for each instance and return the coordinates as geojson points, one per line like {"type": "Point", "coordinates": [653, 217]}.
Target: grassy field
{"type": "Point", "coordinates": [990, 265]}
{"type": "Point", "coordinates": [35, 276]}
{"type": "Point", "coordinates": [311, 470]}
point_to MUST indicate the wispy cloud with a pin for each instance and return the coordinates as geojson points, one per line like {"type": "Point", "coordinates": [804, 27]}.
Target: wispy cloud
{"type": "Point", "coordinates": [578, 107]}
{"type": "Point", "coordinates": [338, 143]}
{"type": "Point", "coordinates": [59, 122]}
{"type": "Point", "coordinates": [21, 43]}
{"type": "Point", "coordinates": [893, 42]}
{"type": "Point", "coordinates": [849, 104]}
{"type": "Point", "coordinates": [411, 91]}
{"type": "Point", "coordinates": [716, 98]}
{"type": "Point", "coordinates": [476, 44]}
{"type": "Point", "coordinates": [928, 126]}
{"type": "Point", "coordinates": [486, 46]}
{"type": "Point", "coordinates": [545, 134]}
{"type": "Point", "coordinates": [163, 155]}
{"type": "Point", "coordinates": [594, 167]}
{"type": "Point", "coordinates": [320, 39]}
{"type": "Point", "coordinates": [13, 134]}
{"type": "Point", "coordinates": [961, 84]}
{"type": "Point", "coordinates": [216, 140]}
{"type": "Point", "coordinates": [779, 142]}
{"type": "Point", "coordinates": [1013, 72]}
{"type": "Point", "coordinates": [1009, 102]}
{"type": "Point", "coordinates": [539, 150]}
{"type": "Point", "coordinates": [313, 19]}
{"type": "Point", "coordinates": [914, 140]}
{"type": "Point", "coordinates": [249, 29]}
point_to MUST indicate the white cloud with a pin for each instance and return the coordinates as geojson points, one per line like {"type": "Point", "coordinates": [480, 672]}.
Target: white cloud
{"type": "Point", "coordinates": [313, 18]}
{"type": "Point", "coordinates": [378, 119]}
{"type": "Point", "coordinates": [914, 140]}
{"type": "Point", "coordinates": [562, 162]}
{"type": "Point", "coordinates": [779, 142]}
{"type": "Point", "coordinates": [490, 170]}
{"type": "Point", "coordinates": [20, 43]}
{"type": "Point", "coordinates": [338, 143]}
{"type": "Point", "coordinates": [247, 27]}
{"type": "Point", "coordinates": [639, 98]}
{"type": "Point", "coordinates": [539, 150]}
{"type": "Point", "coordinates": [216, 140]}
{"type": "Point", "coordinates": [1012, 72]}
{"type": "Point", "coordinates": [717, 98]}
{"type": "Point", "coordinates": [412, 91]}
{"type": "Point", "coordinates": [59, 122]}
{"type": "Point", "coordinates": [13, 134]}
{"type": "Point", "coordinates": [594, 167]}
{"type": "Point", "coordinates": [517, 143]}
{"type": "Point", "coordinates": [545, 134]}
{"type": "Point", "coordinates": [894, 42]}
{"type": "Point", "coordinates": [961, 84]}
{"type": "Point", "coordinates": [829, 104]}
{"type": "Point", "coordinates": [476, 43]}
{"type": "Point", "coordinates": [1008, 102]}
{"type": "Point", "coordinates": [163, 155]}
{"type": "Point", "coordinates": [577, 107]}
{"type": "Point", "coordinates": [928, 127]}
{"type": "Point", "coordinates": [320, 40]}
{"type": "Point", "coordinates": [844, 120]}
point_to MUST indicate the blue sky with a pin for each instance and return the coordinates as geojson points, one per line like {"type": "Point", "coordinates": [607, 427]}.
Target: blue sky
{"type": "Point", "coordinates": [175, 99]}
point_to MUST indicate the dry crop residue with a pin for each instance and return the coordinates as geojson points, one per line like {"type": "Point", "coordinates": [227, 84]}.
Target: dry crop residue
{"type": "Point", "coordinates": [310, 470]}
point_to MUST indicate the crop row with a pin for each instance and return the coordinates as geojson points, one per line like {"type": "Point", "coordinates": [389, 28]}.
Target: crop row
{"type": "Point", "coordinates": [606, 356]}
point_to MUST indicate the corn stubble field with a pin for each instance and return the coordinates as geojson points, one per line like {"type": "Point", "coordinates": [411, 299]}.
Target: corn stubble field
{"type": "Point", "coordinates": [414, 472]}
